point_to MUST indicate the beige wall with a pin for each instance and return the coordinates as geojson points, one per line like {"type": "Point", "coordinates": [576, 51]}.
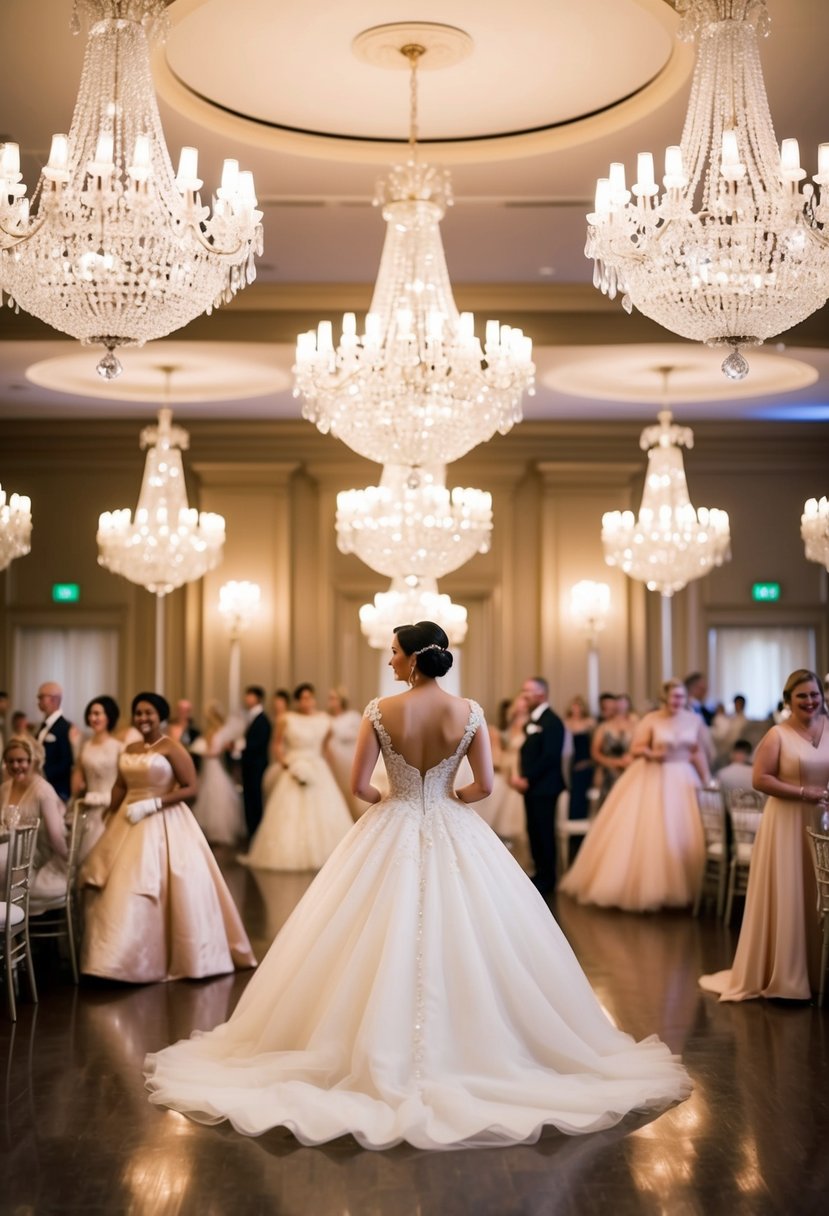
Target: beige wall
{"type": "Point", "coordinates": [276, 484]}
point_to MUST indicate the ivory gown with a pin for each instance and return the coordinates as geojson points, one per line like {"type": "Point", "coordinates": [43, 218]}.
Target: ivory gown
{"type": "Point", "coordinates": [646, 848]}
{"type": "Point", "coordinates": [157, 907]}
{"type": "Point", "coordinates": [99, 762]}
{"type": "Point", "coordinates": [421, 991]}
{"type": "Point", "coordinates": [778, 952]}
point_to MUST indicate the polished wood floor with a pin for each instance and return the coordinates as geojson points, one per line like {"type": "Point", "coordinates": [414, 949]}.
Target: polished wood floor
{"type": "Point", "coordinates": [80, 1137]}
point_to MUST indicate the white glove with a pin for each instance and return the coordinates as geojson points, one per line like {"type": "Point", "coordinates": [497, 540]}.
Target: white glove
{"type": "Point", "coordinates": [136, 811]}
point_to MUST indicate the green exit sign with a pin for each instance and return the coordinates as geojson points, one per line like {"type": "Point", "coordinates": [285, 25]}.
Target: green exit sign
{"type": "Point", "coordinates": [66, 593]}
{"type": "Point", "coordinates": [766, 593]}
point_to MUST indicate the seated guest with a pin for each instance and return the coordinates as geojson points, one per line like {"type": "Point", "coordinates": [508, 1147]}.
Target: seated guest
{"type": "Point", "coordinates": [26, 797]}
{"type": "Point", "coordinates": [736, 775]}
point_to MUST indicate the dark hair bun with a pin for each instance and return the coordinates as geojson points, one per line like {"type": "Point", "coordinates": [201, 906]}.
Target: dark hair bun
{"type": "Point", "coordinates": [159, 704]}
{"type": "Point", "coordinates": [429, 644]}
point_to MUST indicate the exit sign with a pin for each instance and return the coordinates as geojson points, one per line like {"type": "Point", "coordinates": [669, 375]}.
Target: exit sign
{"type": "Point", "coordinates": [66, 593]}
{"type": "Point", "coordinates": [766, 593]}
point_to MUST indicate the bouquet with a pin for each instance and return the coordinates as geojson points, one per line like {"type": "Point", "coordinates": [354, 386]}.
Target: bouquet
{"type": "Point", "coordinates": [302, 771]}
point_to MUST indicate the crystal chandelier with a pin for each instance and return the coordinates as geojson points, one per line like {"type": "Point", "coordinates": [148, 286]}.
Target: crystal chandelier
{"type": "Point", "coordinates": [814, 528]}
{"type": "Point", "coordinates": [415, 387]}
{"type": "Point", "coordinates": [15, 527]}
{"type": "Point", "coordinates": [114, 247]}
{"type": "Point", "coordinates": [411, 599]}
{"type": "Point", "coordinates": [411, 523]}
{"type": "Point", "coordinates": [169, 543]}
{"type": "Point", "coordinates": [670, 543]}
{"type": "Point", "coordinates": [753, 259]}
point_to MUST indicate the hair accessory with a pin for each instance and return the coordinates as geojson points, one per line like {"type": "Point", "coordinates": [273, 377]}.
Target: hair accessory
{"type": "Point", "coordinates": [431, 646]}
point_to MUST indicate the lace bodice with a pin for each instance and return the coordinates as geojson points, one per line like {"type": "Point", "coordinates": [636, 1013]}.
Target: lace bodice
{"type": "Point", "coordinates": [99, 762]}
{"type": "Point", "coordinates": [147, 774]}
{"type": "Point", "coordinates": [405, 781]}
{"type": "Point", "coordinates": [305, 734]}
{"type": "Point", "coordinates": [676, 736]}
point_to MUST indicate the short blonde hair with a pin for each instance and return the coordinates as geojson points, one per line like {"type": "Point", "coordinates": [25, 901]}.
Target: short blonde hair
{"type": "Point", "coordinates": [25, 743]}
{"type": "Point", "coordinates": [667, 688]}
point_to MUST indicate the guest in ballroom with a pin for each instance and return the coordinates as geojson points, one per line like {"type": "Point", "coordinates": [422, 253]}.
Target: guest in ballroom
{"type": "Point", "coordinates": [541, 779]}
{"type": "Point", "coordinates": [306, 816]}
{"type": "Point", "coordinates": [696, 689]}
{"type": "Point", "coordinates": [255, 755]}
{"type": "Point", "coordinates": [156, 906]}
{"type": "Point", "coordinates": [4, 710]}
{"type": "Point", "coordinates": [737, 774]}
{"type": "Point", "coordinates": [581, 726]}
{"type": "Point", "coordinates": [345, 727]}
{"type": "Point", "coordinates": [21, 724]}
{"type": "Point", "coordinates": [58, 738]}
{"type": "Point", "coordinates": [96, 769]}
{"type": "Point", "coordinates": [504, 809]}
{"type": "Point", "coordinates": [183, 730]}
{"type": "Point", "coordinates": [646, 849]}
{"type": "Point", "coordinates": [280, 703]}
{"type": "Point", "coordinates": [218, 807]}
{"type": "Point", "coordinates": [610, 746]}
{"type": "Point", "coordinates": [26, 797]}
{"type": "Point", "coordinates": [778, 952]}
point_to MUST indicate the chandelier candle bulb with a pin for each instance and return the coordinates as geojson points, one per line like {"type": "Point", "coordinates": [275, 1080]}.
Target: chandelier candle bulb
{"type": "Point", "coordinates": [790, 167]}
{"type": "Point", "coordinates": [645, 182]}
{"type": "Point", "coordinates": [58, 158]}
{"type": "Point", "coordinates": [141, 166]}
{"type": "Point", "coordinates": [814, 529]}
{"type": "Point", "coordinates": [675, 177]}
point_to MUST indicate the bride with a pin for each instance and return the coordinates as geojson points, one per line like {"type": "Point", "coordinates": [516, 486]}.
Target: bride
{"type": "Point", "coordinates": [421, 990]}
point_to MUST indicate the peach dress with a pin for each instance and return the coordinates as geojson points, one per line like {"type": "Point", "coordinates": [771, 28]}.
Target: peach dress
{"type": "Point", "coordinates": [157, 907]}
{"type": "Point", "coordinates": [778, 953]}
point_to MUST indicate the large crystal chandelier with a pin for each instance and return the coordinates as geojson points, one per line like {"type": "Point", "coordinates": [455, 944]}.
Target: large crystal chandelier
{"type": "Point", "coordinates": [669, 543]}
{"type": "Point", "coordinates": [15, 527]}
{"type": "Point", "coordinates": [411, 599]}
{"type": "Point", "coordinates": [415, 387]}
{"type": "Point", "coordinates": [734, 251]}
{"type": "Point", "coordinates": [169, 543]}
{"type": "Point", "coordinates": [814, 529]}
{"type": "Point", "coordinates": [114, 247]}
{"type": "Point", "coordinates": [412, 524]}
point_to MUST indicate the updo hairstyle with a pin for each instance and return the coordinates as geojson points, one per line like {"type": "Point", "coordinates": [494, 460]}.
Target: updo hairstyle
{"type": "Point", "coordinates": [110, 707]}
{"type": "Point", "coordinates": [434, 658]}
{"type": "Point", "coordinates": [161, 707]}
{"type": "Point", "coordinates": [801, 676]}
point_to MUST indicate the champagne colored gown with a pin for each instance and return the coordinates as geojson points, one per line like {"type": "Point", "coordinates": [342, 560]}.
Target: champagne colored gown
{"type": "Point", "coordinates": [421, 991]}
{"type": "Point", "coordinates": [99, 764]}
{"type": "Point", "coordinates": [646, 848]}
{"type": "Point", "coordinates": [778, 952]}
{"type": "Point", "coordinates": [156, 906]}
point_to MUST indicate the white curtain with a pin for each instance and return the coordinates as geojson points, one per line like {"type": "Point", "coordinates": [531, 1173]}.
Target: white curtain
{"type": "Point", "coordinates": [756, 663]}
{"type": "Point", "coordinates": [83, 661]}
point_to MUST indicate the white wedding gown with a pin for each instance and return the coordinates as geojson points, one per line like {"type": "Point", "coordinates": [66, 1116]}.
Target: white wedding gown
{"type": "Point", "coordinates": [421, 991]}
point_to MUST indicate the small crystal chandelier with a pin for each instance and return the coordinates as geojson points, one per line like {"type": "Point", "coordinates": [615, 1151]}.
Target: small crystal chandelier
{"type": "Point", "coordinates": [170, 543]}
{"type": "Point", "coordinates": [670, 543]}
{"type": "Point", "coordinates": [407, 600]}
{"type": "Point", "coordinates": [753, 259]}
{"type": "Point", "coordinates": [415, 388]}
{"type": "Point", "coordinates": [15, 527]}
{"type": "Point", "coordinates": [411, 523]}
{"type": "Point", "coordinates": [814, 528]}
{"type": "Point", "coordinates": [114, 248]}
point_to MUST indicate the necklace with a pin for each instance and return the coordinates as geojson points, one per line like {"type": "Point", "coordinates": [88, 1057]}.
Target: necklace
{"type": "Point", "coordinates": [148, 746]}
{"type": "Point", "coordinates": [815, 742]}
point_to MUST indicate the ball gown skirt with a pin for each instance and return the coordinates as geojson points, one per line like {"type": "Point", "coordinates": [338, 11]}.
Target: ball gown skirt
{"type": "Point", "coordinates": [420, 992]}
{"type": "Point", "coordinates": [306, 816]}
{"type": "Point", "coordinates": [778, 952]}
{"type": "Point", "coordinates": [218, 806]}
{"type": "Point", "coordinates": [344, 730]}
{"type": "Point", "coordinates": [646, 848]}
{"type": "Point", "coordinates": [156, 906]}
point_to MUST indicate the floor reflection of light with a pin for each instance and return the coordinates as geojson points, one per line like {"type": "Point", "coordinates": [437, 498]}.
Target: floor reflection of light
{"type": "Point", "coordinates": [159, 1176]}
{"type": "Point", "coordinates": [749, 1178]}
{"type": "Point", "coordinates": [664, 1153]}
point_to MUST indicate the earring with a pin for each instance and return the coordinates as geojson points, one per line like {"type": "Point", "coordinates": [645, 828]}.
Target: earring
{"type": "Point", "coordinates": [412, 675]}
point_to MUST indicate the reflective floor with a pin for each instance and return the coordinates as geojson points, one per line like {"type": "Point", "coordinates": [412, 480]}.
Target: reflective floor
{"type": "Point", "coordinates": [80, 1136]}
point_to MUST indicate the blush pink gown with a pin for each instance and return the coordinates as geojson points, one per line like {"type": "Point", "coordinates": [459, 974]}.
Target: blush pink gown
{"type": "Point", "coordinates": [778, 953]}
{"type": "Point", "coordinates": [646, 848]}
{"type": "Point", "coordinates": [156, 906]}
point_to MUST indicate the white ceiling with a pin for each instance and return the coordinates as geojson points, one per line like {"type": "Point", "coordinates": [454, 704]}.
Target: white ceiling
{"type": "Point", "coordinates": [519, 216]}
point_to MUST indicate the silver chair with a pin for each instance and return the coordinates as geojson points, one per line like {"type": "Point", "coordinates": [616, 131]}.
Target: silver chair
{"type": "Point", "coordinates": [745, 814]}
{"type": "Point", "coordinates": [60, 919]}
{"type": "Point", "coordinates": [819, 848]}
{"type": "Point", "coordinates": [715, 871]}
{"type": "Point", "coordinates": [14, 911]}
{"type": "Point", "coordinates": [566, 830]}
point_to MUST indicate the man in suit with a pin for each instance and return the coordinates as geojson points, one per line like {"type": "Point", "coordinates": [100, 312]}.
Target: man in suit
{"type": "Point", "coordinates": [542, 779]}
{"type": "Point", "coordinates": [696, 686]}
{"type": "Point", "coordinates": [255, 757]}
{"type": "Point", "coordinates": [56, 735]}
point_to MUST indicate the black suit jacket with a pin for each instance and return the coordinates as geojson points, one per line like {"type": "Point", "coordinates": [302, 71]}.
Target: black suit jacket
{"type": "Point", "coordinates": [257, 742]}
{"type": "Point", "coordinates": [58, 757]}
{"type": "Point", "coordinates": [541, 755]}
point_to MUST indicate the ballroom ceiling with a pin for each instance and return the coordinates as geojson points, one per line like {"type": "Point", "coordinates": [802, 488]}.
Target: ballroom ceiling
{"type": "Point", "coordinates": [550, 92]}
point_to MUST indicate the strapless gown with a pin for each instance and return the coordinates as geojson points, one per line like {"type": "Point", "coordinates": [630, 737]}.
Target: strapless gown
{"type": "Point", "coordinates": [646, 848]}
{"type": "Point", "coordinates": [99, 764]}
{"type": "Point", "coordinates": [421, 991]}
{"type": "Point", "coordinates": [156, 905]}
{"type": "Point", "coordinates": [778, 952]}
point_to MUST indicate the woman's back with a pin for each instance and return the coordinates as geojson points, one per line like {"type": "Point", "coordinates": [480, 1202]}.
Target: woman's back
{"type": "Point", "coordinates": [425, 729]}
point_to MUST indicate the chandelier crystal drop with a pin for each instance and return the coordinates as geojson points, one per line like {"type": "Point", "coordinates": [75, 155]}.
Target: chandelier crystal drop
{"type": "Point", "coordinates": [415, 387]}
{"type": "Point", "coordinates": [669, 543]}
{"type": "Point", "coordinates": [734, 251]}
{"type": "Point", "coordinates": [814, 529]}
{"type": "Point", "coordinates": [15, 527]}
{"type": "Point", "coordinates": [115, 248]}
{"type": "Point", "coordinates": [412, 524]}
{"type": "Point", "coordinates": [169, 543]}
{"type": "Point", "coordinates": [411, 599]}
